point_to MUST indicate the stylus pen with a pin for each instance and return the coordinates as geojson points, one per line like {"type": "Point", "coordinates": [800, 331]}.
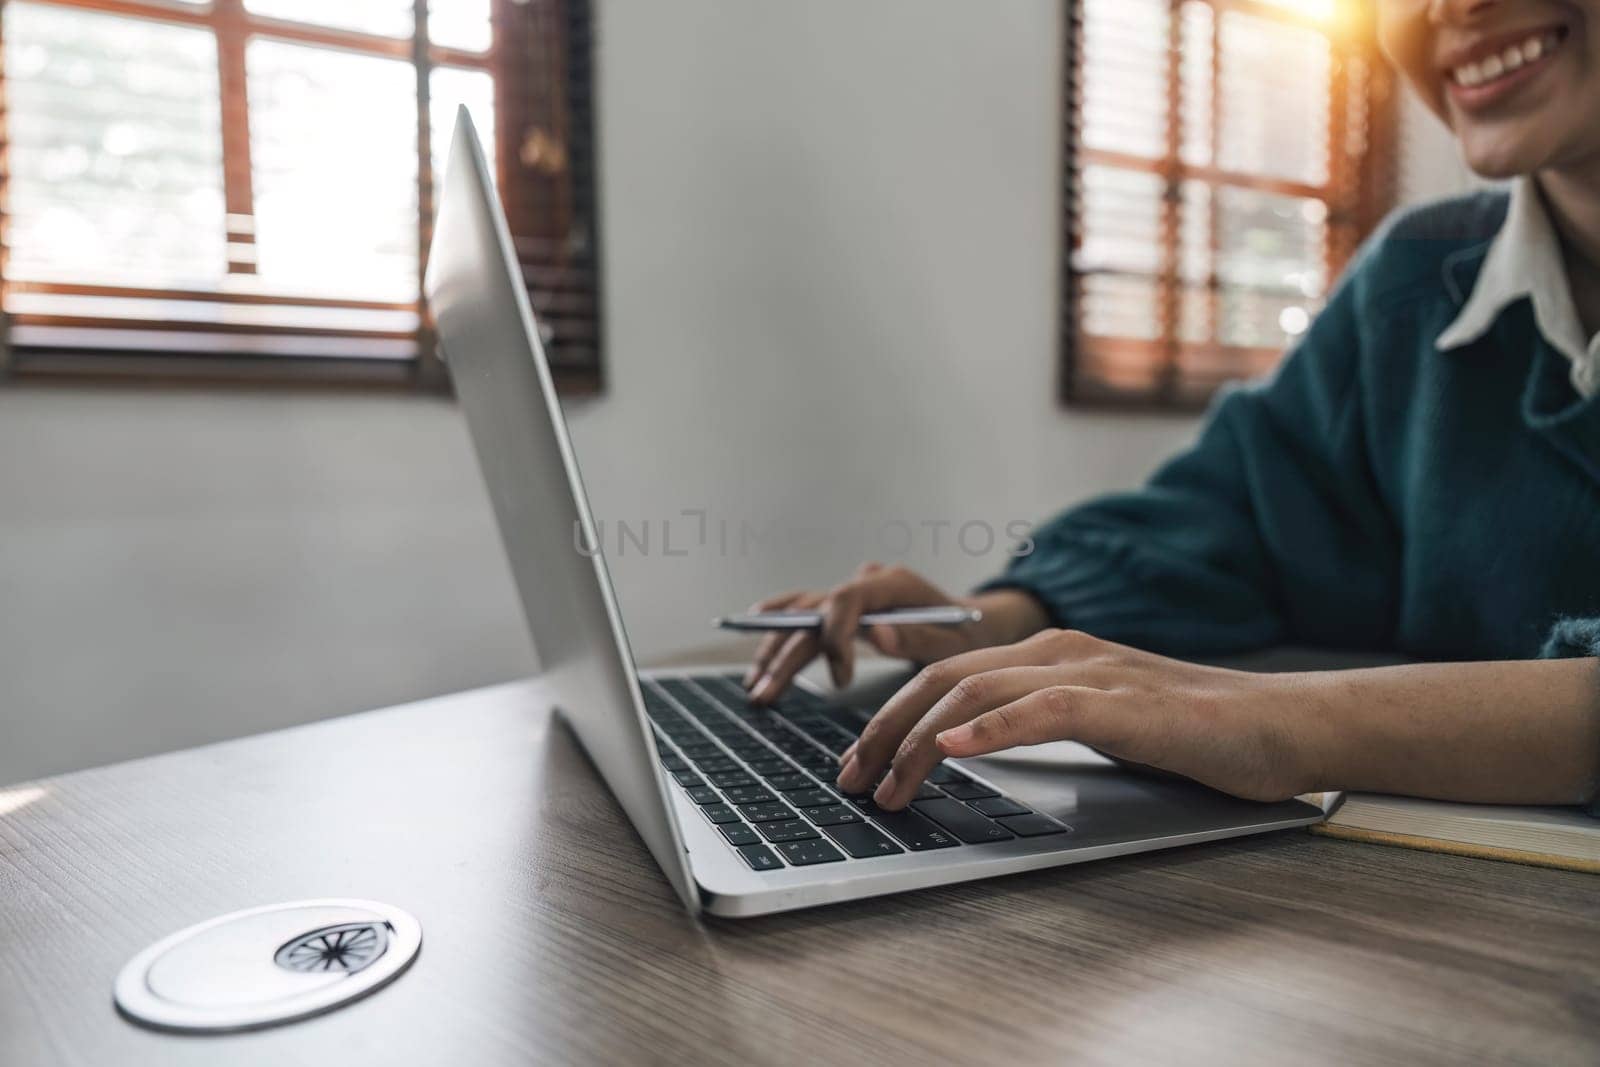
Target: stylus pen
{"type": "Point", "coordinates": [942, 615]}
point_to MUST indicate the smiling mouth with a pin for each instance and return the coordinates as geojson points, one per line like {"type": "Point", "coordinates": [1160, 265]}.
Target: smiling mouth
{"type": "Point", "coordinates": [1485, 72]}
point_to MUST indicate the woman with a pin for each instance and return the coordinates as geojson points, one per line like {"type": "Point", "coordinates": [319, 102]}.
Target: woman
{"type": "Point", "coordinates": [1422, 475]}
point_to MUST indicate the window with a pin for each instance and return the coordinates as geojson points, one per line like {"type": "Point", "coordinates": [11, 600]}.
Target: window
{"type": "Point", "coordinates": [227, 188]}
{"type": "Point", "coordinates": [1225, 157]}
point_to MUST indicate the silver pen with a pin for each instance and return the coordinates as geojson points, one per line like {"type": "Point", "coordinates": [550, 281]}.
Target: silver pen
{"type": "Point", "coordinates": [939, 615]}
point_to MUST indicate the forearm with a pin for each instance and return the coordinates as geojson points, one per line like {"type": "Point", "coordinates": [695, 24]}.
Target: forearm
{"type": "Point", "coordinates": [1520, 732]}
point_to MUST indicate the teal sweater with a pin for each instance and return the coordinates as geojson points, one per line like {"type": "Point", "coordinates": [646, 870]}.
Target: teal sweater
{"type": "Point", "coordinates": [1374, 493]}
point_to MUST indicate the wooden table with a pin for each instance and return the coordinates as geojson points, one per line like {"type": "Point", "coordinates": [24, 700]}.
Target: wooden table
{"type": "Point", "coordinates": [550, 937]}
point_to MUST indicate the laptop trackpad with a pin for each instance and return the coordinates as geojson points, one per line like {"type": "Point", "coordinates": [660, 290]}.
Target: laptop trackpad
{"type": "Point", "coordinates": [1101, 800]}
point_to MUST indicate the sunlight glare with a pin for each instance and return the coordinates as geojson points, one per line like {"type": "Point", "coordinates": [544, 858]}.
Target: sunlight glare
{"type": "Point", "coordinates": [1317, 10]}
{"type": "Point", "coordinates": [15, 799]}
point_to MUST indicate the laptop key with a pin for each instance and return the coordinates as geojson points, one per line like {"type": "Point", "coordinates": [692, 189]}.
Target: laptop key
{"type": "Point", "coordinates": [791, 830]}
{"type": "Point", "coordinates": [766, 812]}
{"type": "Point", "coordinates": [927, 791]}
{"type": "Point", "coordinates": [720, 813]}
{"type": "Point", "coordinates": [789, 780]}
{"type": "Point", "coordinates": [811, 798]}
{"type": "Point", "coordinates": [716, 763]}
{"type": "Point", "coordinates": [1034, 825]}
{"type": "Point", "coordinates": [704, 794]}
{"type": "Point", "coordinates": [749, 794]}
{"type": "Point", "coordinates": [738, 833]}
{"type": "Point", "coordinates": [831, 814]}
{"type": "Point", "coordinates": [994, 807]}
{"type": "Point", "coordinates": [760, 858]}
{"type": "Point", "coordinates": [835, 743]}
{"type": "Point", "coordinates": [730, 779]}
{"type": "Point", "coordinates": [688, 779]}
{"type": "Point", "coordinates": [962, 821]}
{"type": "Point", "coordinates": [770, 764]}
{"type": "Point", "coordinates": [913, 831]}
{"type": "Point", "coordinates": [969, 790]}
{"type": "Point", "coordinates": [806, 853]}
{"type": "Point", "coordinates": [944, 773]}
{"type": "Point", "coordinates": [799, 700]}
{"type": "Point", "coordinates": [862, 841]}
{"type": "Point", "coordinates": [674, 762]}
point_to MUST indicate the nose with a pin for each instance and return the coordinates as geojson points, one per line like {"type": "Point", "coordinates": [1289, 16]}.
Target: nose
{"type": "Point", "coordinates": [1441, 12]}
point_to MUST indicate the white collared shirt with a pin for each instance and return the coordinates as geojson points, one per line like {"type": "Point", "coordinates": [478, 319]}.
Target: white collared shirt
{"type": "Point", "coordinates": [1524, 260]}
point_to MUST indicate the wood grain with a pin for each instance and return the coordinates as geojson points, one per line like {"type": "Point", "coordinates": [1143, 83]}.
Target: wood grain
{"type": "Point", "coordinates": [550, 937]}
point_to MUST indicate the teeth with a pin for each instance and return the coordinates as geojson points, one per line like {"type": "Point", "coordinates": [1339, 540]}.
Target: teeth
{"type": "Point", "coordinates": [1513, 58]}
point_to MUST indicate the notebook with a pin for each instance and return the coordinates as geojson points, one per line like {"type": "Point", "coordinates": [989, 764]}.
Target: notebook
{"type": "Point", "coordinates": [1548, 837]}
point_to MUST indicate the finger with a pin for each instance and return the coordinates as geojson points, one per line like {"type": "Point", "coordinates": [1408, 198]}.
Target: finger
{"type": "Point", "coordinates": [885, 639]}
{"type": "Point", "coordinates": [1055, 713]}
{"type": "Point", "coordinates": [919, 643]}
{"type": "Point", "coordinates": [777, 603]}
{"type": "Point", "coordinates": [798, 649]}
{"type": "Point", "coordinates": [906, 708]}
{"type": "Point", "coordinates": [840, 614]}
{"type": "Point", "coordinates": [767, 650]}
{"type": "Point", "coordinates": [873, 588]}
{"type": "Point", "coordinates": [971, 697]}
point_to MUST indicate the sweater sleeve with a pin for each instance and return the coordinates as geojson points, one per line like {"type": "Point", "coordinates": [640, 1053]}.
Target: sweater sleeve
{"type": "Point", "coordinates": [1574, 638]}
{"type": "Point", "coordinates": [1571, 638]}
{"type": "Point", "coordinates": [1268, 530]}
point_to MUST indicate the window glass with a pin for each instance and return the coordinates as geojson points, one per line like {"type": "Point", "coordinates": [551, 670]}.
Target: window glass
{"type": "Point", "coordinates": [334, 148]}
{"type": "Point", "coordinates": [386, 18]}
{"type": "Point", "coordinates": [115, 150]}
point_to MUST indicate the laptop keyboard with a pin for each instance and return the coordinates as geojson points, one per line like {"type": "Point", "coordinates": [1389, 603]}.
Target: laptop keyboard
{"type": "Point", "coordinates": [764, 777]}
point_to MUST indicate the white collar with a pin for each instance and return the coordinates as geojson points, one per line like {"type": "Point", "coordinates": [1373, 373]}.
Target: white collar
{"type": "Point", "coordinates": [1524, 260]}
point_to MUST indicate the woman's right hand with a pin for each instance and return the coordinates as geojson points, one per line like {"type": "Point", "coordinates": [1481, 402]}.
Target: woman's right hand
{"type": "Point", "coordinates": [1008, 616]}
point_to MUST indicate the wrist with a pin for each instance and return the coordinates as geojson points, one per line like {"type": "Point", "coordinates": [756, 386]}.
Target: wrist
{"type": "Point", "coordinates": [1321, 729]}
{"type": "Point", "coordinates": [1009, 615]}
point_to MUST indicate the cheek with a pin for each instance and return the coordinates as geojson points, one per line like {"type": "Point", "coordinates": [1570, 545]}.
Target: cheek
{"type": "Point", "coordinates": [1404, 37]}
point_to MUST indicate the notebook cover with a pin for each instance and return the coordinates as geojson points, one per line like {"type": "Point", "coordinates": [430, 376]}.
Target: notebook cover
{"type": "Point", "coordinates": [1457, 848]}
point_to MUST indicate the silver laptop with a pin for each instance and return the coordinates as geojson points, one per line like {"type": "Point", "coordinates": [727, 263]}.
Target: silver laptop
{"type": "Point", "coordinates": [737, 803]}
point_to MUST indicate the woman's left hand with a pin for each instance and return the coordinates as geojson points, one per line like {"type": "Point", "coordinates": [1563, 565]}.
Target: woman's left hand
{"type": "Point", "coordinates": [1232, 730]}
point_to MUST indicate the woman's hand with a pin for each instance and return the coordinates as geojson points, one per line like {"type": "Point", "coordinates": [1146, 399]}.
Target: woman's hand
{"type": "Point", "coordinates": [1008, 615]}
{"type": "Point", "coordinates": [1513, 732]}
{"type": "Point", "coordinates": [1232, 730]}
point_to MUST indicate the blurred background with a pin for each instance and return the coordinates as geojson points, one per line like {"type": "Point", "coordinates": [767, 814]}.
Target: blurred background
{"type": "Point", "coordinates": [844, 276]}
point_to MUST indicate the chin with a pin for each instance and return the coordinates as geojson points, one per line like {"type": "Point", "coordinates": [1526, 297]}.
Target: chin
{"type": "Point", "coordinates": [1496, 169]}
{"type": "Point", "coordinates": [1499, 161]}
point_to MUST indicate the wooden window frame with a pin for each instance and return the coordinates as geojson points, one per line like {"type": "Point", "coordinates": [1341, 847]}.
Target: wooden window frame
{"type": "Point", "coordinates": [541, 61]}
{"type": "Point", "coordinates": [1359, 191]}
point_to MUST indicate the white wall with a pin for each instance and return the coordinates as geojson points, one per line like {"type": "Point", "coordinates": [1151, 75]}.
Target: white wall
{"type": "Point", "coordinates": [831, 254]}
{"type": "Point", "coordinates": [1431, 161]}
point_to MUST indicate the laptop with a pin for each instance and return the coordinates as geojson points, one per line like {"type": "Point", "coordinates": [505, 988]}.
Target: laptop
{"type": "Point", "coordinates": [737, 803]}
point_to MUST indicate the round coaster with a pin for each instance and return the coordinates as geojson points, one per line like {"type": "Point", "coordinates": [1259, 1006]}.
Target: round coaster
{"type": "Point", "coordinates": [267, 965]}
